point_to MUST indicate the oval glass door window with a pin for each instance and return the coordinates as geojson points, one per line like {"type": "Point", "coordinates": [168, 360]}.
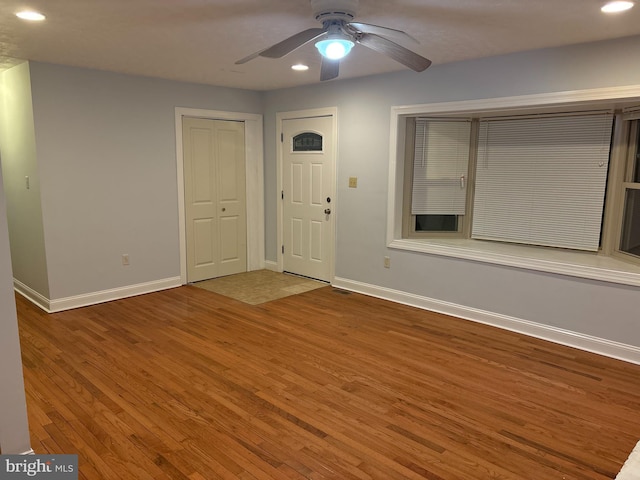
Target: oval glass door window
{"type": "Point", "coordinates": [307, 142]}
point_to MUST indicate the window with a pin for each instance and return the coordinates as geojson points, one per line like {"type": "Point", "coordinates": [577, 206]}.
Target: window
{"type": "Point", "coordinates": [439, 175]}
{"type": "Point", "coordinates": [307, 142]}
{"type": "Point", "coordinates": [552, 182]}
{"type": "Point", "coordinates": [539, 180]}
{"type": "Point", "coordinates": [630, 234]}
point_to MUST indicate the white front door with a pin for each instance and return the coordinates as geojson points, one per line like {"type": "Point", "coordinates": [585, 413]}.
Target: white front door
{"type": "Point", "coordinates": [215, 198]}
{"type": "Point", "coordinates": [308, 166]}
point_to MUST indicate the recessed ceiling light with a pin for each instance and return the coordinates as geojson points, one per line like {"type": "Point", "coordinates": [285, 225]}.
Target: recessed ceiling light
{"type": "Point", "coordinates": [299, 67]}
{"type": "Point", "coordinates": [613, 7]}
{"type": "Point", "coordinates": [30, 15]}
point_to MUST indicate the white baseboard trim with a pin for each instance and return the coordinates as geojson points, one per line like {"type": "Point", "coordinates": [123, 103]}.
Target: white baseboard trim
{"type": "Point", "coordinates": [28, 452]}
{"type": "Point", "coordinates": [31, 295]}
{"type": "Point", "coordinates": [601, 346]}
{"type": "Point", "coordinates": [58, 305]}
{"type": "Point", "coordinates": [84, 300]}
{"type": "Point", "coordinates": [269, 265]}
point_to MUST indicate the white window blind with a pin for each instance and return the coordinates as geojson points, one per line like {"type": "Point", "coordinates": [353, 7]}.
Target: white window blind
{"type": "Point", "coordinates": [440, 166]}
{"type": "Point", "coordinates": [541, 181]}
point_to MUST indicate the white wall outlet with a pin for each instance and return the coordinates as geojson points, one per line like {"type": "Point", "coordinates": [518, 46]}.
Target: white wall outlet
{"type": "Point", "coordinates": [387, 262]}
{"type": "Point", "coordinates": [125, 259]}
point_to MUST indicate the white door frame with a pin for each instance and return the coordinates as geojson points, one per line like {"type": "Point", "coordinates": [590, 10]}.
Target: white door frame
{"type": "Point", "coordinates": [314, 112]}
{"type": "Point", "coordinates": [254, 182]}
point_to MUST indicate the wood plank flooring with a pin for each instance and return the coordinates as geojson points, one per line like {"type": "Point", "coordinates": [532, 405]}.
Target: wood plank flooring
{"type": "Point", "coordinates": [187, 384]}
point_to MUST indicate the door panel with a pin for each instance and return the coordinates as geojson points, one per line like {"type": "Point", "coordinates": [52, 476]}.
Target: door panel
{"type": "Point", "coordinates": [203, 238]}
{"type": "Point", "coordinates": [295, 186]}
{"type": "Point", "coordinates": [315, 252]}
{"type": "Point", "coordinates": [201, 174]}
{"type": "Point", "coordinates": [215, 204]}
{"type": "Point", "coordinates": [308, 190]}
{"type": "Point", "coordinates": [317, 187]}
{"type": "Point", "coordinates": [296, 238]}
{"type": "Point", "coordinates": [229, 238]}
{"type": "Point", "coordinates": [232, 198]}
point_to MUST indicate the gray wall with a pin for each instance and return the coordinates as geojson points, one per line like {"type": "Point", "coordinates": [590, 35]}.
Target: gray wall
{"type": "Point", "coordinates": [595, 308]}
{"type": "Point", "coordinates": [106, 173]}
{"type": "Point", "coordinates": [106, 154]}
{"type": "Point", "coordinates": [18, 153]}
{"type": "Point", "coordinates": [106, 151]}
{"type": "Point", "coordinates": [14, 429]}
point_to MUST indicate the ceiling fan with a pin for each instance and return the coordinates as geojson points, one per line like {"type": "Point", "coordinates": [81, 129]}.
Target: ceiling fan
{"type": "Point", "coordinates": [339, 33]}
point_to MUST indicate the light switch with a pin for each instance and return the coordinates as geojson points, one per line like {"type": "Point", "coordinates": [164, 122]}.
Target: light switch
{"type": "Point", "coordinates": [353, 182]}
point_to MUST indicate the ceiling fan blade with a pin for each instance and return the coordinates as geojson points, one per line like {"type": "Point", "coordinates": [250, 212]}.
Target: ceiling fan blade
{"type": "Point", "coordinates": [290, 44]}
{"type": "Point", "coordinates": [382, 31]}
{"type": "Point", "coordinates": [329, 69]}
{"type": "Point", "coordinates": [395, 51]}
{"type": "Point", "coordinates": [249, 57]}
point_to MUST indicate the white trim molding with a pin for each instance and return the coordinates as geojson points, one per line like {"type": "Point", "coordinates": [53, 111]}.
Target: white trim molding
{"type": "Point", "coordinates": [280, 117]}
{"type": "Point", "coordinates": [601, 346]}
{"type": "Point", "coordinates": [93, 298]}
{"type": "Point", "coordinates": [254, 149]}
{"type": "Point", "coordinates": [270, 265]}
{"type": "Point", "coordinates": [30, 294]}
{"type": "Point", "coordinates": [602, 267]}
{"type": "Point", "coordinates": [573, 264]}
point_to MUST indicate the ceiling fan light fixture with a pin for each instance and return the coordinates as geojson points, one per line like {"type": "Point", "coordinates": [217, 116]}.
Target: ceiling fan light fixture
{"type": "Point", "coordinates": [617, 6]}
{"type": "Point", "coordinates": [338, 36]}
{"type": "Point", "coordinates": [335, 48]}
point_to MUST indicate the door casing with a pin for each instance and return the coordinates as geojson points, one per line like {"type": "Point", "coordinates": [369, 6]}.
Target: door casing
{"type": "Point", "coordinates": [254, 183]}
{"type": "Point", "coordinates": [215, 164]}
{"type": "Point", "coordinates": [280, 117]}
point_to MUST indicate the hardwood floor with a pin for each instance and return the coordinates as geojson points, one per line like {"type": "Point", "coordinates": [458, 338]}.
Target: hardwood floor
{"type": "Point", "coordinates": [187, 384]}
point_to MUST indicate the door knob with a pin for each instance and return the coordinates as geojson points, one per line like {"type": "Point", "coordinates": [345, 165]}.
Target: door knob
{"type": "Point", "coordinates": [327, 211]}
{"type": "Point", "coordinates": [224, 209]}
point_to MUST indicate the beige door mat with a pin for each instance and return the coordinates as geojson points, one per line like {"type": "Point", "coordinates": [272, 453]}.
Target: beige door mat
{"type": "Point", "coordinates": [259, 286]}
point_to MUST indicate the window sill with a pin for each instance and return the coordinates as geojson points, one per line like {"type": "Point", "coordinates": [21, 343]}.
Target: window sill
{"type": "Point", "coordinates": [542, 259]}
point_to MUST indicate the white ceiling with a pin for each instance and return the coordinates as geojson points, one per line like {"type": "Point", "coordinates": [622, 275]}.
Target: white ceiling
{"type": "Point", "coordinates": [199, 40]}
